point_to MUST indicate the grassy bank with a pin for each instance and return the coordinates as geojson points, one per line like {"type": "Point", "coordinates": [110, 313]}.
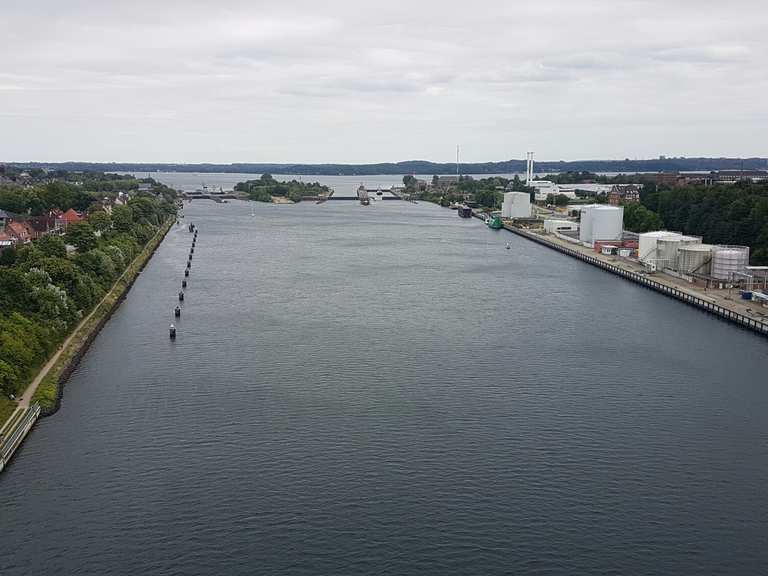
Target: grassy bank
{"type": "Point", "coordinates": [7, 407]}
{"type": "Point", "coordinates": [47, 390]}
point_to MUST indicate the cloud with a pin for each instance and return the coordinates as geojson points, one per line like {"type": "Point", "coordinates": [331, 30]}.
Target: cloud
{"type": "Point", "coordinates": [295, 80]}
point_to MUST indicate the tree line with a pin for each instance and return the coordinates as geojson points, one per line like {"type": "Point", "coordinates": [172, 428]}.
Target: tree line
{"type": "Point", "coordinates": [45, 289]}
{"type": "Point", "coordinates": [264, 188]}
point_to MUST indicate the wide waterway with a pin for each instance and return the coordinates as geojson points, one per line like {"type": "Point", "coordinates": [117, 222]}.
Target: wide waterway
{"type": "Point", "coordinates": [388, 390]}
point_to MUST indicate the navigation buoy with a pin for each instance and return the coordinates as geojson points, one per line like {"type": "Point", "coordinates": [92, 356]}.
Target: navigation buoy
{"type": "Point", "coordinates": [181, 296]}
{"type": "Point", "coordinates": [183, 283]}
{"type": "Point", "coordinates": [177, 312]}
{"type": "Point", "coordinates": [172, 332]}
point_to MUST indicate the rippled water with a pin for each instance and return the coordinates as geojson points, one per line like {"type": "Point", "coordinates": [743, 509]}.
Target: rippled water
{"type": "Point", "coordinates": [387, 390]}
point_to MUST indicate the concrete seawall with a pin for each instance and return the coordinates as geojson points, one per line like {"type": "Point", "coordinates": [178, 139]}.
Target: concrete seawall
{"type": "Point", "coordinates": [719, 311]}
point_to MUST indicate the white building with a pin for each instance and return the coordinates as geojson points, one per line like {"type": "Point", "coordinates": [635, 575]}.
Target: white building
{"type": "Point", "coordinates": [516, 205]}
{"type": "Point", "coordinates": [552, 225]}
{"type": "Point", "coordinates": [601, 222]}
{"type": "Point", "coordinates": [544, 188]}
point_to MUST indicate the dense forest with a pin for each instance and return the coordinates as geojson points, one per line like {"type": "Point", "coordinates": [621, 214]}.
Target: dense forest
{"type": "Point", "coordinates": [263, 189]}
{"type": "Point", "coordinates": [426, 167]}
{"type": "Point", "coordinates": [45, 288]}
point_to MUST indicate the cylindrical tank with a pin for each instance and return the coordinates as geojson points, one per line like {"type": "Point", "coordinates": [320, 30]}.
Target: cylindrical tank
{"type": "Point", "coordinates": [729, 260]}
{"type": "Point", "coordinates": [646, 249]}
{"type": "Point", "coordinates": [694, 259]}
{"type": "Point", "coordinates": [667, 249]}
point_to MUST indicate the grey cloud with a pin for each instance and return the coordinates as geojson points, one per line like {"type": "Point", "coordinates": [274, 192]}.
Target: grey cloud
{"type": "Point", "coordinates": [269, 80]}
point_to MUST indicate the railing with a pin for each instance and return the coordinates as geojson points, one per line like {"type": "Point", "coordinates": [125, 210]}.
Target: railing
{"type": "Point", "coordinates": [12, 441]}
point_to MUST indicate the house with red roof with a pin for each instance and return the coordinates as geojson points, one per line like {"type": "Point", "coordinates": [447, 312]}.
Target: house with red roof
{"type": "Point", "coordinates": [6, 240]}
{"type": "Point", "coordinates": [21, 231]}
{"type": "Point", "coordinates": [71, 217]}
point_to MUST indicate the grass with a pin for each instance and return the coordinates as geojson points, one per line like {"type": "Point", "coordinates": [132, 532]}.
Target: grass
{"type": "Point", "coordinates": [7, 406]}
{"type": "Point", "coordinates": [46, 391]}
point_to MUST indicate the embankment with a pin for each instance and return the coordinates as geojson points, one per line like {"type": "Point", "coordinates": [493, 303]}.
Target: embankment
{"type": "Point", "coordinates": [51, 387]}
{"type": "Point", "coordinates": [722, 312]}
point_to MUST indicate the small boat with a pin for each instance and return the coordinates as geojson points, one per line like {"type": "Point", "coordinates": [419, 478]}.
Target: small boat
{"type": "Point", "coordinates": [465, 212]}
{"type": "Point", "coordinates": [181, 296]}
{"type": "Point", "coordinates": [172, 332]}
{"type": "Point", "coordinates": [177, 312]}
{"type": "Point", "coordinates": [183, 283]}
{"type": "Point", "coordinates": [186, 273]}
{"type": "Point", "coordinates": [508, 246]}
{"type": "Point", "coordinates": [494, 223]}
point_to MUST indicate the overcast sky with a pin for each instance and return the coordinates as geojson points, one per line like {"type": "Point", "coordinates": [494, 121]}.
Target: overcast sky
{"type": "Point", "coordinates": [370, 81]}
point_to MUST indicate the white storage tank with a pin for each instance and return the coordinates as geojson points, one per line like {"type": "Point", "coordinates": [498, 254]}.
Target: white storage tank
{"type": "Point", "coordinates": [695, 259]}
{"type": "Point", "coordinates": [729, 260]}
{"type": "Point", "coordinates": [646, 248]}
{"type": "Point", "coordinates": [601, 222]}
{"type": "Point", "coordinates": [667, 249]}
{"type": "Point", "coordinates": [516, 205]}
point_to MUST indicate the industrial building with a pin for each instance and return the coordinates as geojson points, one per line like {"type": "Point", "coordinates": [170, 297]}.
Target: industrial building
{"type": "Point", "coordinates": [601, 222]}
{"type": "Point", "coordinates": [552, 225]}
{"type": "Point", "coordinates": [516, 205]}
{"type": "Point", "coordinates": [544, 188]}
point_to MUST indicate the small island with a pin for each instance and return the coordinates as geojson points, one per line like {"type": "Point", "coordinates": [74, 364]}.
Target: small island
{"type": "Point", "coordinates": [267, 189]}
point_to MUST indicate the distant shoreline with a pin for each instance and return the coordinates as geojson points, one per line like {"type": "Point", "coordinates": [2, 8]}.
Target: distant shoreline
{"type": "Point", "coordinates": [419, 167]}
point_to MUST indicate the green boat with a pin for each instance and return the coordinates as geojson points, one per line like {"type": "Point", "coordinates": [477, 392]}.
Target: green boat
{"type": "Point", "coordinates": [494, 223]}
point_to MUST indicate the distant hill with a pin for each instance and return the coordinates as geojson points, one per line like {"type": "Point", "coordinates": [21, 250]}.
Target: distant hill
{"type": "Point", "coordinates": [424, 167]}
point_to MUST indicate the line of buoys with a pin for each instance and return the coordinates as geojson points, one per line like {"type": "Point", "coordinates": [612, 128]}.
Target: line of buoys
{"type": "Point", "coordinates": [177, 310]}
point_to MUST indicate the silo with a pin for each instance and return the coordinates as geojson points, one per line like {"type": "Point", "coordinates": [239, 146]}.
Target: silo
{"type": "Point", "coordinates": [585, 223]}
{"type": "Point", "coordinates": [607, 223]}
{"type": "Point", "coordinates": [667, 248]}
{"type": "Point", "coordinates": [694, 259]}
{"type": "Point", "coordinates": [729, 260]}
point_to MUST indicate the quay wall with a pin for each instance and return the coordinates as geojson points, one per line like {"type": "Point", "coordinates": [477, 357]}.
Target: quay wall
{"type": "Point", "coordinates": [724, 313]}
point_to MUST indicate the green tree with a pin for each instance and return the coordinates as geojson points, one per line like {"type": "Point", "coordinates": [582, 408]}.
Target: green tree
{"type": "Point", "coordinates": [51, 245]}
{"type": "Point", "coordinates": [100, 220]}
{"type": "Point", "coordinates": [122, 218]}
{"type": "Point", "coordinates": [81, 236]}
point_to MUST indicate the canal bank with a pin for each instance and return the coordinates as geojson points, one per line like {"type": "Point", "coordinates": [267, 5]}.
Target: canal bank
{"type": "Point", "coordinates": [43, 395]}
{"type": "Point", "coordinates": [656, 283]}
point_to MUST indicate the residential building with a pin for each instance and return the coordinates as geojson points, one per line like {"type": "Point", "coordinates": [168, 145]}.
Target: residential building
{"type": "Point", "coordinates": [624, 194]}
{"type": "Point", "coordinates": [20, 231]}
{"type": "Point", "coordinates": [6, 240]}
{"type": "Point", "coordinates": [71, 217]}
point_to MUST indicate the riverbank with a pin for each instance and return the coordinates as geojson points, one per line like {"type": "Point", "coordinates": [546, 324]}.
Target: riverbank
{"type": "Point", "coordinates": [717, 302]}
{"type": "Point", "coordinates": [47, 388]}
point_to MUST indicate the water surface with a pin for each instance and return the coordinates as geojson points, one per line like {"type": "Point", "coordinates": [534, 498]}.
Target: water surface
{"type": "Point", "coordinates": [387, 390]}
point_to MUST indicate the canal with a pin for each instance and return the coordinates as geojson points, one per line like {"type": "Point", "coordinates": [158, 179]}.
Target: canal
{"type": "Point", "coordinates": [389, 390]}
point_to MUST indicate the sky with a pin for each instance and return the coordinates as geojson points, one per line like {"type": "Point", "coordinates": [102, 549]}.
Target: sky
{"type": "Point", "coordinates": [364, 81]}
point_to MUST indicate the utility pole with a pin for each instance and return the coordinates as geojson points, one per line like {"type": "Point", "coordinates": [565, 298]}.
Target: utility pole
{"type": "Point", "coordinates": [457, 163]}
